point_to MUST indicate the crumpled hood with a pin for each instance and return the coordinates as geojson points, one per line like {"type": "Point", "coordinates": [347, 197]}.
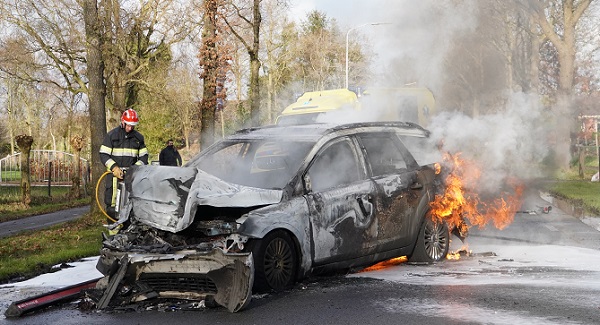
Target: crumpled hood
{"type": "Point", "coordinates": [167, 197]}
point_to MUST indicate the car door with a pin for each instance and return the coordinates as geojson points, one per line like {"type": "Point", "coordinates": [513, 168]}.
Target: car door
{"type": "Point", "coordinates": [339, 197]}
{"type": "Point", "coordinates": [394, 172]}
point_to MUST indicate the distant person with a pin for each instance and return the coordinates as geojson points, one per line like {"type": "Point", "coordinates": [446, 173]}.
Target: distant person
{"type": "Point", "coordinates": [169, 156]}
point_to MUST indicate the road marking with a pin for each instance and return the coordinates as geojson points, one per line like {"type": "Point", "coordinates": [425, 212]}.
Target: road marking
{"type": "Point", "coordinates": [551, 228]}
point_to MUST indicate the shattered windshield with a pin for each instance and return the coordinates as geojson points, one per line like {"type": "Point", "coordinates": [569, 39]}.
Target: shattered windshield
{"type": "Point", "coordinates": [258, 163]}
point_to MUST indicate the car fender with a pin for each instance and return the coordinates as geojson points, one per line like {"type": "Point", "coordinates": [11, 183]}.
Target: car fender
{"type": "Point", "coordinates": [291, 216]}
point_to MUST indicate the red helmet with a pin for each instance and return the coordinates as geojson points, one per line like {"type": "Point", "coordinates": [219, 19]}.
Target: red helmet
{"type": "Point", "coordinates": [130, 117]}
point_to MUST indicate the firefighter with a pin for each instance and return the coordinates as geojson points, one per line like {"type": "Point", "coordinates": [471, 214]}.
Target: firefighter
{"type": "Point", "coordinates": [122, 147]}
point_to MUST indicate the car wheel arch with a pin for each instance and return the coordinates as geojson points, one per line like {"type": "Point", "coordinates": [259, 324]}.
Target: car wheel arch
{"type": "Point", "coordinates": [259, 247]}
{"type": "Point", "coordinates": [419, 252]}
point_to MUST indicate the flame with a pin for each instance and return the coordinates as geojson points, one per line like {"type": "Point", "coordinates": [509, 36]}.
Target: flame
{"type": "Point", "coordinates": [453, 256]}
{"type": "Point", "coordinates": [387, 263]}
{"type": "Point", "coordinates": [460, 202]}
{"type": "Point", "coordinates": [461, 207]}
{"type": "Point", "coordinates": [463, 251]}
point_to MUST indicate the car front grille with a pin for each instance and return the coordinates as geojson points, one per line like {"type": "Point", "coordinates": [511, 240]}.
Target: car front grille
{"type": "Point", "coordinates": [179, 282]}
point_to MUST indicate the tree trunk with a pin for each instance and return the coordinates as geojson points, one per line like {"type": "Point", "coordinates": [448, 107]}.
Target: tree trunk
{"type": "Point", "coordinates": [97, 88]}
{"type": "Point", "coordinates": [76, 144]}
{"type": "Point", "coordinates": [209, 64]}
{"type": "Point", "coordinates": [24, 142]}
{"type": "Point", "coordinates": [255, 66]}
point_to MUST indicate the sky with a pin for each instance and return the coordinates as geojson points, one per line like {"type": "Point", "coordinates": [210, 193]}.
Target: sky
{"type": "Point", "coordinates": [406, 31]}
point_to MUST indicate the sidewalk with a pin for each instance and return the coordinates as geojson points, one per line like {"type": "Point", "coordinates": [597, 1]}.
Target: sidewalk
{"type": "Point", "coordinates": [592, 221]}
{"type": "Point", "coordinates": [13, 227]}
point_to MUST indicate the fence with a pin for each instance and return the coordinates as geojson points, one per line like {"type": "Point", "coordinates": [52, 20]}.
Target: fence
{"type": "Point", "coordinates": [46, 167]}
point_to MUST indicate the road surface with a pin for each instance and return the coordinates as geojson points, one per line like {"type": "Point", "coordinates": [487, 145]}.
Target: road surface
{"type": "Point", "coordinates": [13, 227]}
{"type": "Point", "coordinates": [541, 269]}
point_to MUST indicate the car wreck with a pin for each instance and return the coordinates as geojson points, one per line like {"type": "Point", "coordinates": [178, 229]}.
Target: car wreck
{"type": "Point", "coordinates": [266, 207]}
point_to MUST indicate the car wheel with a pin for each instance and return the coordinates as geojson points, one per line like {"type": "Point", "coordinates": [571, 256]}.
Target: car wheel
{"type": "Point", "coordinates": [275, 262]}
{"type": "Point", "coordinates": [433, 242]}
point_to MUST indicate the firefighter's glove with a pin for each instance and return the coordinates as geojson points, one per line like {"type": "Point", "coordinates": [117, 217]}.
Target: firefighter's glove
{"type": "Point", "coordinates": [117, 172]}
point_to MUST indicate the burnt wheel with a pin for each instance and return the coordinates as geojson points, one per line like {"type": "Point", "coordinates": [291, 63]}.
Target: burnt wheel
{"type": "Point", "coordinates": [275, 262]}
{"type": "Point", "coordinates": [433, 242]}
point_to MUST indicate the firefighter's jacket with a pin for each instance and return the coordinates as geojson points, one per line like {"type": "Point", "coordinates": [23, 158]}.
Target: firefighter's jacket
{"type": "Point", "coordinates": [123, 149]}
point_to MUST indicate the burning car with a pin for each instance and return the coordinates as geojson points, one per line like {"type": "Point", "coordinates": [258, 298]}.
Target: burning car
{"type": "Point", "coordinates": [266, 207]}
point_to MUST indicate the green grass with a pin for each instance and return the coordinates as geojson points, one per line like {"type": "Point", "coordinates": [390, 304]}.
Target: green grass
{"type": "Point", "coordinates": [31, 253]}
{"type": "Point", "coordinates": [11, 207]}
{"type": "Point", "coordinates": [11, 175]}
{"type": "Point", "coordinates": [582, 192]}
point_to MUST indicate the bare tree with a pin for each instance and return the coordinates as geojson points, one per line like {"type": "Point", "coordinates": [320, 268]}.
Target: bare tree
{"type": "Point", "coordinates": [209, 63]}
{"type": "Point", "coordinates": [97, 93]}
{"type": "Point", "coordinates": [24, 142]}
{"type": "Point", "coordinates": [244, 23]}
{"type": "Point", "coordinates": [278, 54]}
{"type": "Point", "coordinates": [558, 20]}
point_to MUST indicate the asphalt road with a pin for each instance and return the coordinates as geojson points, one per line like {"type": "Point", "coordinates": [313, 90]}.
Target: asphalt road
{"type": "Point", "coordinates": [13, 227]}
{"type": "Point", "coordinates": [542, 269]}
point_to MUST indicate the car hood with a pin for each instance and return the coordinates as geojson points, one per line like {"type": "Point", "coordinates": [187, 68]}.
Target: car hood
{"type": "Point", "coordinates": [167, 197]}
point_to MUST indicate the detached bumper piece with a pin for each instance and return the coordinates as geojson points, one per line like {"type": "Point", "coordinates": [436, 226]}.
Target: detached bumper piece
{"type": "Point", "coordinates": [188, 275]}
{"type": "Point", "coordinates": [21, 307]}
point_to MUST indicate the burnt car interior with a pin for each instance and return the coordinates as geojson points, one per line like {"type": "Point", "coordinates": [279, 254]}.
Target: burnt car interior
{"type": "Point", "coordinates": [339, 156]}
{"type": "Point", "coordinates": [384, 155]}
{"type": "Point", "coordinates": [263, 164]}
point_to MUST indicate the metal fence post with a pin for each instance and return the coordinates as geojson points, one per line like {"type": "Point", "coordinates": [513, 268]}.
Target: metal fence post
{"type": "Point", "coordinates": [49, 177]}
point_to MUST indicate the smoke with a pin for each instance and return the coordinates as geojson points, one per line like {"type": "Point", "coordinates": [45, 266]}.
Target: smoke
{"type": "Point", "coordinates": [507, 144]}
{"type": "Point", "coordinates": [413, 48]}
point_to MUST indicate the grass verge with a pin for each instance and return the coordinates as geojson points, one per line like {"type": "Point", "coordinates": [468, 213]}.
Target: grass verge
{"type": "Point", "coordinates": [582, 193]}
{"type": "Point", "coordinates": [11, 207]}
{"type": "Point", "coordinates": [34, 252]}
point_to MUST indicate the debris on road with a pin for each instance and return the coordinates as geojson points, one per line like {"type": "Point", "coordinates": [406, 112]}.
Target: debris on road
{"type": "Point", "coordinates": [21, 307]}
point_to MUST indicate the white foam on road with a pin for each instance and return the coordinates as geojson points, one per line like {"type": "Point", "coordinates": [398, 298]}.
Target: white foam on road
{"type": "Point", "coordinates": [520, 264]}
{"type": "Point", "coordinates": [78, 272]}
{"type": "Point", "coordinates": [81, 271]}
{"type": "Point", "coordinates": [545, 266]}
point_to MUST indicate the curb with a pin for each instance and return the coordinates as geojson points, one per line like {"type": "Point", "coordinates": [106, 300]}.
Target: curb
{"type": "Point", "coordinates": [576, 211]}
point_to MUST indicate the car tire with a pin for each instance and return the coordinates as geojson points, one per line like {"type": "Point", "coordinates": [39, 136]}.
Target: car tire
{"type": "Point", "coordinates": [275, 262]}
{"type": "Point", "coordinates": [432, 243]}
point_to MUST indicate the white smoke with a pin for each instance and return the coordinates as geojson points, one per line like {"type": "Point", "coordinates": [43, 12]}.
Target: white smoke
{"type": "Point", "coordinates": [508, 143]}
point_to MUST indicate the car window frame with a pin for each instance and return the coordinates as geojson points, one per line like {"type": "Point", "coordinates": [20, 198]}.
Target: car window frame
{"type": "Point", "coordinates": [357, 153]}
{"type": "Point", "coordinates": [409, 160]}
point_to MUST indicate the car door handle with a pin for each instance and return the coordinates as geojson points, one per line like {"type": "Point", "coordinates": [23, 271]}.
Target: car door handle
{"type": "Point", "coordinates": [367, 209]}
{"type": "Point", "coordinates": [416, 186]}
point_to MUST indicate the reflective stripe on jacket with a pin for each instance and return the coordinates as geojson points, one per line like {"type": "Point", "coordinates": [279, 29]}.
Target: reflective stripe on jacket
{"type": "Point", "coordinates": [123, 149]}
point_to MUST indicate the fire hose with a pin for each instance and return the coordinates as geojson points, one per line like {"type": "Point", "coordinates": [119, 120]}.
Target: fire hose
{"type": "Point", "coordinates": [98, 199]}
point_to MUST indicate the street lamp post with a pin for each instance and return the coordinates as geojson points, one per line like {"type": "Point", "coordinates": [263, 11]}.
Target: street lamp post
{"type": "Point", "coordinates": [347, 35]}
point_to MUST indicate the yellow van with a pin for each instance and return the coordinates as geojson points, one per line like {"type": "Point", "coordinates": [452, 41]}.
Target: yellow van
{"type": "Point", "coordinates": [408, 104]}
{"type": "Point", "coordinates": [313, 104]}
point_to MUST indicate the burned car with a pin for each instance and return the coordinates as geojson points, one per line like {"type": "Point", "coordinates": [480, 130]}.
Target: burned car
{"type": "Point", "coordinates": [268, 206]}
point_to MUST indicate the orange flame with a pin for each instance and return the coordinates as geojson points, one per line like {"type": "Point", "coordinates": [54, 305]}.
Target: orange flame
{"type": "Point", "coordinates": [464, 250]}
{"type": "Point", "coordinates": [385, 264]}
{"type": "Point", "coordinates": [461, 203]}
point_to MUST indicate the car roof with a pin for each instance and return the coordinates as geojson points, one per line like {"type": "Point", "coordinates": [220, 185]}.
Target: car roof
{"type": "Point", "coordinates": [313, 132]}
